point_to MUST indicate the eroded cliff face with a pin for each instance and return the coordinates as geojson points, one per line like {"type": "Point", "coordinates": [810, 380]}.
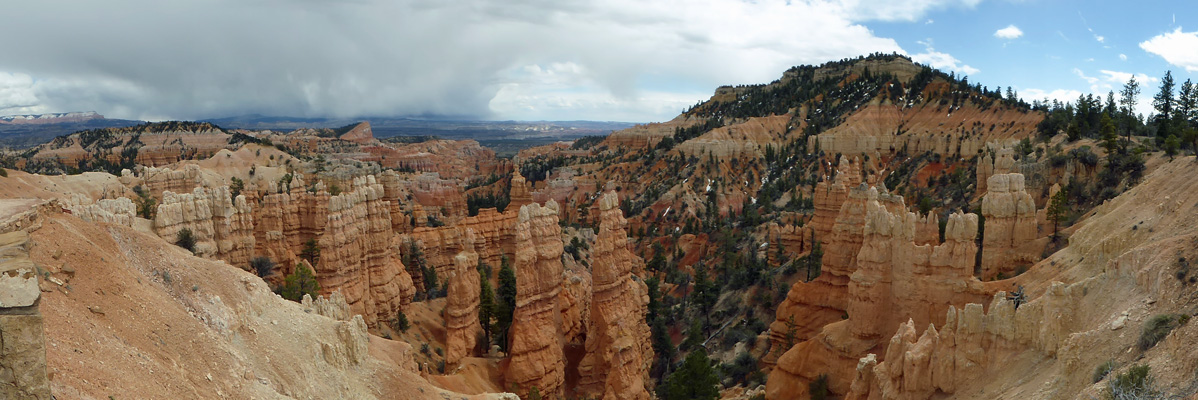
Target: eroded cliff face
{"type": "Point", "coordinates": [618, 349]}
{"type": "Point", "coordinates": [811, 305]}
{"type": "Point", "coordinates": [536, 353]}
{"type": "Point", "coordinates": [23, 350]}
{"type": "Point", "coordinates": [895, 279]}
{"type": "Point", "coordinates": [357, 258]}
{"type": "Point", "coordinates": [830, 196]}
{"type": "Point", "coordinates": [494, 235]}
{"type": "Point", "coordinates": [1010, 225]}
{"type": "Point", "coordinates": [925, 128]}
{"type": "Point", "coordinates": [519, 194]}
{"type": "Point", "coordinates": [970, 343]}
{"type": "Point", "coordinates": [461, 305]}
{"type": "Point", "coordinates": [223, 226]}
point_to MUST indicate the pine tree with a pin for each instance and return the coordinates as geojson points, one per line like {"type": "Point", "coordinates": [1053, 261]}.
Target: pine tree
{"type": "Point", "coordinates": [300, 282]}
{"type": "Point", "coordinates": [1163, 102]}
{"type": "Point", "coordinates": [506, 307]}
{"type": "Point", "coordinates": [486, 308]}
{"type": "Point", "coordinates": [695, 380]}
{"type": "Point", "coordinates": [1127, 102]}
{"type": "Point", "coordinates": [1058, 210]}
{"type": "Point", "coordinates": [311, 251]}
{"type": "Point", "coordinates": [1187, 104]}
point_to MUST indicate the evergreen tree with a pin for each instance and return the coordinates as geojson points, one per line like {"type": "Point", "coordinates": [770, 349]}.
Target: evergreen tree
{"type": "Point", "coordinates": [486, 308]}
{"type": "Point", "coordinates": [311, 251]}
{"type": "Point", "coordinates": [1187, 104]}
{"type": "Point", "coordinates": [185, 239]}
{"type": "Point", "coordinates": [1058, 209]}
{"type": "Point", "coordinates": [300, 282]}
{"type": "Point", "coordinates": [506, 307]}
{"type": "Point", "coordinates": [1164, 103]}
{"type": "Point", "coordinates": [1127, 101]}
{"type": "Point", "coordinates": [1110, 141]}
{"type": "Point", "coordinates": [694, 380]}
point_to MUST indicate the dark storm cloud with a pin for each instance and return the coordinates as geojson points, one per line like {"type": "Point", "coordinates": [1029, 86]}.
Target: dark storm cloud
{"type": "Point", "coordinates": [511, 59]}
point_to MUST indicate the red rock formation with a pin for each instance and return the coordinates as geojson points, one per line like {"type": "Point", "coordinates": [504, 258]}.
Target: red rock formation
{"type": "Point", "coordinates": [461, 305]}
{"type": "Point", "coordinates": [519, 193]}
{"type": "Point", "coordinates": [811, 305]}
{"type": "Point", "coordinates": [494, 232]}
{"type": "Point", "coordinates": [356, 257]}
{"type": "Point", "coordinates": [829, 196]}
{"type": "Point", "coordinates": [793, 241]}
{"type": "Point", "coordinates": [925, 128]}
{"type": "Point", "coordinates": [537, 359]}
{"type": "Point", "coordinates": [1010, 224]}
{"type": "Point", "coordinates": [360, 133]}
{"type": "Point", "coordinates": [159, 180]}
{"type": "Point", "coordinates": [895, 280]}
{"type": "Point", "coordinates": [618, 348]}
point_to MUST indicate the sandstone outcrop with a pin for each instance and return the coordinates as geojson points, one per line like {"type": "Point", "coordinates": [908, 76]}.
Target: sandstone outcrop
{"type": "Point", "coordinates": [811, 305]}
{"type": "Point", "coordinates": [883, 126]}
{"type": "Point", "coordinates": [23, 345]}
{"type": "Point", "coordinates": [223, 227]}
{"type": "Point", "coordinates": [618, 350]}
{"type": "Point", "coordinates": [357, 257]}
{"type": "Point", "coordinates": [1010, 214]}
{"type": "Point", "coordinates": [536, 358]}
{"type": "Point", "coordinates": [519, 194]}
{"type": "Point", "coordinates": [830, 196]}
{"type": "Point", "coordinates": [789, 241]}
{"type": "Point", "coordinates": [160, 180]}
{"type": "Point", "coordinates": [494, 234]}
{"type": "Point", "coordinates": [461, 305]}
{"type": "Point", "coordinates": [1003, 162]}
{"type": "Point", "coordinates": [120, 211]}
{"type": "Point", "coordinates": [895, 280]}
{"type": "Point", "coordinates": [967, 345]}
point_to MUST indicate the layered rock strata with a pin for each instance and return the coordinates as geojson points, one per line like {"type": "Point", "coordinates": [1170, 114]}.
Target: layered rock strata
{"type": "Point", "coordinates": [357, 258]}
{"type": "Point", "coordinates": [494, 235]}
{"type": "Point", "coordinates": [968, 344]}
{"type": "Point", "coordinates": [537, 360]}
{"type": "Point", "coordinates": [519, 194]}
{"type": "Point", "coordinates": [1010, 214]}
{"type": "Point", "coordinates": [895, 280]}
{"type": "Point", "coordinates": [223, 226]}
{"type": "Point", "coordinates": [461, 305]}
{"type": "Point", "coordinates": [618, 350]}
{"type": "Point", "coordinates": [120, 211]}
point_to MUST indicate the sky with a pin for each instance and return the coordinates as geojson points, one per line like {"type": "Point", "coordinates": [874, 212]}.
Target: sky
{"type": "Point", "coordinates": [608, 60]}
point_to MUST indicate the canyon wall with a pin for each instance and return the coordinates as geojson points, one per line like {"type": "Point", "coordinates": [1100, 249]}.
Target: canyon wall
{"type": "Point", "coordinates": [1011, 224]}
{"type": "Point", "coordinates": [969, 344]}
{"type": "Point", "coordinates": [462, 326]}
{"type": "Point", "coordinates": [356, 254]}
{"type": "Point", "coordinates": [618, 348]}
{"type": "Point", "coordinates": [223, 226]}
{"type": "Point", "coordinates": [537, 360]}
{"type": "Point", "coordinates": [895, 279]}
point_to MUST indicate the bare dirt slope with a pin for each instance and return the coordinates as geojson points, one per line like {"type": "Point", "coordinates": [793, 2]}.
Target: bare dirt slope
{"type": "Point", "coordinates": [1126, 258]}
{"type": "Point", "coordinates": [136, 317]}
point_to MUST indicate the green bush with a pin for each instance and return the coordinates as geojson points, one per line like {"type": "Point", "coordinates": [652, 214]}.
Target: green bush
{"type": "Point", "coordinates": [186, 239]}
{"type": "Point", "coordinates": [1135, 383]}
{"type": "Point", "coordinates": [1103, 370]}
{"type": "Point", "coordinates": [401, 322]}
{"type": "Point", "coordinates": [263, 266]}
{"type": "Point", "coordinates": [819, 387]}
{"type": "Point", "coordinates": [1156, 329]}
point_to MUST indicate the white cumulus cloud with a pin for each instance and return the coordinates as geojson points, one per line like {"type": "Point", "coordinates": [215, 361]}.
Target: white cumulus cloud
{"type": "Point", "coordinates": [1010, 32]}
{"type": "Point", "coordinates": [942, 61]}
{"type": "Point", "coordinates": [1177, 48]}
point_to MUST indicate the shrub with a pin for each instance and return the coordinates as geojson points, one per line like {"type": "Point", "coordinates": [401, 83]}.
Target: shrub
{"type": "Point", "coordinates": [186, 240]}
{"type": "Point", "coordinates": [401, 322]}
{"type": "Point", "coordinates": [819, 387]}
{"type": "Point", "coordinates": [1156, 329]}
{"type": "Point", "coordinates": [1103, 370]}
{"type": "Point", "coordinates": [1135, 383]}
{"type": "Point", "coordinates": [263, 266]}
{"type": "Point", "coordinates": [3, 172]}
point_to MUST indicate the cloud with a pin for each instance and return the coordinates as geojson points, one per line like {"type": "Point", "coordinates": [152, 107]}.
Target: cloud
{"type": "Point", "coordinates": [1122, 57]}
{"type": "Point", "coordinates": [629, 58]}
{"type": "Point", "coordinates": [1010, 32]}
{"type": "Point", "coordinates": [942, 61]}
{"type": "Point", "coordinates": [1177, 48]}
{"type": "Point", "coordinates": [1062, 95]}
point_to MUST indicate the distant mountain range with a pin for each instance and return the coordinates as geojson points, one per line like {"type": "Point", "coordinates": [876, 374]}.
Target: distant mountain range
{"type": "Point", "coordinates": [20, 131]}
